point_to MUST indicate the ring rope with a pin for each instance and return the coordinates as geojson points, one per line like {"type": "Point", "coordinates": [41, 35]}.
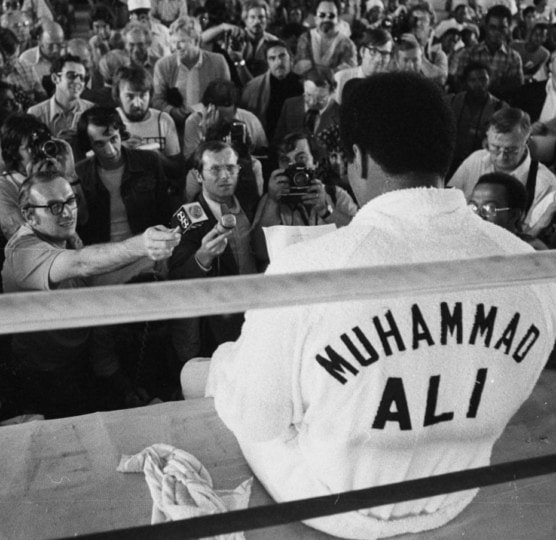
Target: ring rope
{"type": "Point", "coordinates": [282, 513]}
{"type": "Point", "coordinates": [73, 308]}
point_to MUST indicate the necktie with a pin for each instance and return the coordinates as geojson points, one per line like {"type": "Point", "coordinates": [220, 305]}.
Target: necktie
{"type": "Point", "coordinates": [310, 120]}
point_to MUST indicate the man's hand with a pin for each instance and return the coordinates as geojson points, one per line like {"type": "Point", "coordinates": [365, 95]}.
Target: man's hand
{"type": "Point", "coordinates": [213, 244]}
{"type": "Point", "coordinates": [278, 185]}
{"type": "Point", "coordinates": [210, 118]}
{"type": "Point", "coordinates": [159, 242]}
{"type": "Point", "coordinates": [315, 196]}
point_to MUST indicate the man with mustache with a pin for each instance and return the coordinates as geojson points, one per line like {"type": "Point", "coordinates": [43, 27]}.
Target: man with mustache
{"type": "Point", "coordinates": [256, 15]}
{"type": "Point", "coordinates": [325, 46]}
{"type": "Point", "coordinates": [133, 87]}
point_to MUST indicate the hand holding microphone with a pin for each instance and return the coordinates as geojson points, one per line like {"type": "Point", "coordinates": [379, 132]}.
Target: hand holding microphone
{"type": "Point", "coordinates": [215, 241]}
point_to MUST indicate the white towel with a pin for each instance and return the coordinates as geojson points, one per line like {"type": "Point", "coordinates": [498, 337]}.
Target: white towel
{"type": "Point", "coordinates": [181, 487]}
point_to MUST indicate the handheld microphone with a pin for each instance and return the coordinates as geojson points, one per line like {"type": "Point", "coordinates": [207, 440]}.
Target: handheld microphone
{"type": "Point", "coordinates": [188, 216]}
{"type": "Point", "coordinates": [226, 223]}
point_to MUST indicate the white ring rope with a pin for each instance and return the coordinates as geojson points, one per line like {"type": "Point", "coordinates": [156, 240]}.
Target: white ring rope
{"type": "Point", "coordinates": [72, 308]}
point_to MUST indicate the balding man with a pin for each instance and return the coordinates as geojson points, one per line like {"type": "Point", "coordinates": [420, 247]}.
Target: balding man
{"type": "Point", "coordinates": [51, 45]}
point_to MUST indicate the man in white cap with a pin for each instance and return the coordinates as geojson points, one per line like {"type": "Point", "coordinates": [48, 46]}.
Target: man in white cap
{"type": "Point", "coordinates": [140, 11]}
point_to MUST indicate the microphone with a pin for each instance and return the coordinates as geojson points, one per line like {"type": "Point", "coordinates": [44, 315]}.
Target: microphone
{"type": "Point", "coordinates": [188, 216]}
{"type": "Point", "coordinates": [226, 223]}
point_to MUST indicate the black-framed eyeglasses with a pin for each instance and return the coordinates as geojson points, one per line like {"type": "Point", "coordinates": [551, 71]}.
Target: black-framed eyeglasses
{"type": "Point", "coordinates": [324, 15]}
{"type": "Point", "coordinates": [11, 5]}
{"type": "Point", "coordinates": [74, 76]}
{"type": "Point", "coordinates": [487, 210]}
{"type": "Point", "coordinates": [374, 52]}
{"type": "Point", "coordinates": [57, 207]}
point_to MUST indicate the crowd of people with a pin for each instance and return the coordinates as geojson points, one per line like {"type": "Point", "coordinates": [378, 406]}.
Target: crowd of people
{"type": "Point", "coordinates": [235, 106]}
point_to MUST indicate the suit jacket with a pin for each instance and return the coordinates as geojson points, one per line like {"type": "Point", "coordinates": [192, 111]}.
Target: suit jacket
{"type": "Point", "coordinates": [214, 329]}
{"type": "Point", "coordinates": [530, 98]}
{"type": "Point", "coordinates": [293, 115]}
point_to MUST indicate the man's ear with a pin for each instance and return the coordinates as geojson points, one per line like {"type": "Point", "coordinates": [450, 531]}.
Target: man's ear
{"type": "Point", "coordinates": [28, 215]}
{"type": "Point", "coordinates": [197, 175]}
{"type": "Point", "coordinates": [55, 78]}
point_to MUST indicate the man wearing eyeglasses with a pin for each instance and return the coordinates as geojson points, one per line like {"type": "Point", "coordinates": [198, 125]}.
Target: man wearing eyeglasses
{"type": "Point", "coordinates": [209, 251]}
{"type": "Point", "coordinates": [502, 199]}
{"type": "Point", "coordinates": [325, 46]}
{"type": "Point", "coordinates": [507, 135]}
{"type": "Point", "coordinates": [45, 254]}
{"type": "Point", "coordinates": [376, 55]}
{"type": "Point", "coordinates": [62, 111]}
{"type": "Point", "coordinates": [20, 24]}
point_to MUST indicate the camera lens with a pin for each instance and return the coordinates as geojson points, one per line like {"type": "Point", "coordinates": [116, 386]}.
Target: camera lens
{"type": "Point", "coordinates": [300, 179]}
{"type": "Point", "coordinates": [50, 149]}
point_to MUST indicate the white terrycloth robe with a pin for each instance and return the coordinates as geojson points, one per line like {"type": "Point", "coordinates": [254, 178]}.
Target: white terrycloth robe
{"type": "Point", "coordinates": [429, 398]}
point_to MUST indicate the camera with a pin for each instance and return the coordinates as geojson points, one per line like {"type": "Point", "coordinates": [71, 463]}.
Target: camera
{"type": "Point", "coordinates": [300, 178]}
{"type": "Point", "coordinates": [43, 146]}
{"type": "Point", "coordinates": [238, 134]}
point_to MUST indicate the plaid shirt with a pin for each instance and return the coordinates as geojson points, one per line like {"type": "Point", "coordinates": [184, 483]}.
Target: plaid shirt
{"type": "Point", "coordinates": [506, 72]}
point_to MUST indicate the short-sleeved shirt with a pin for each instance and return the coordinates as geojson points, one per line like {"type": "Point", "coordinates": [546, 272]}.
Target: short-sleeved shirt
{"type": "Point", "coordinates": [27, 268]}
{"type": "Point", "coordinates": [157, 128]}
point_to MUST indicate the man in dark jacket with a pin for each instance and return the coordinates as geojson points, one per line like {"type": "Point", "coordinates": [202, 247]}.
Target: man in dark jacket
{"type": "Point", "coordinates": [206, 251]}
{"type": "Point", "coordinates": [125, 190]}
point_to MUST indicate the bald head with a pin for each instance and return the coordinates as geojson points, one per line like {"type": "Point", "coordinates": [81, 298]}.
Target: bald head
{"type": "Point", "coordinates": [79, 47]}
{"type": "Point", "coordinates": [52, 40]}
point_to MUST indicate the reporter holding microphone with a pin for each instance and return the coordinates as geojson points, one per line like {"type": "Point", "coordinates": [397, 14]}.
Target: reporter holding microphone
{"type": "Point", "coordinates": [219, 245]}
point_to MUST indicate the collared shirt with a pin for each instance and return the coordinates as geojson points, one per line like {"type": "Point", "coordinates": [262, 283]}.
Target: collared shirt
{"type": "Point", "coordinates": [33, 57]}
{"type": "Point", "coordinates": [544, 202]}
{"type": "Point", "coordinates": [188, 82]}
{"type": "Point", "coordinates": [23, 77]}
{"type": "Point", "coordinates": [505, 64]}
{"type": "Point", "coordinates": [169, 72]}
{"type": "Point", "coordinates": [55, 117]}
{"type": "Point", "coordinates": [240, 239]}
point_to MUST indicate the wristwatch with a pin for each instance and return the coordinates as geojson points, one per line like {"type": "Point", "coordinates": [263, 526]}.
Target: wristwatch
{"type": "Point", "coordinates": [327, 212]}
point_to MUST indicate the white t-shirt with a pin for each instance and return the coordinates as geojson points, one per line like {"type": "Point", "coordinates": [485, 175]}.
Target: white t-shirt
{"type": "Point", "coordinates": [157, 128]}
